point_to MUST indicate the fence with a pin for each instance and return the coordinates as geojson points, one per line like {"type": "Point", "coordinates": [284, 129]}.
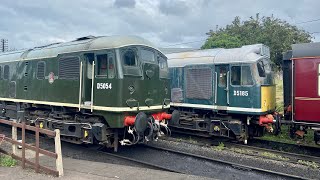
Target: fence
{"type": "Point", "coordinates": [36, 165]}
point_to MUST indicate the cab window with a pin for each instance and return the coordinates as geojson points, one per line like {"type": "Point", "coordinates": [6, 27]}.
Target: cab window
{"type": "Point", "coordinates": [102, 65]}
{"type": "Point", "coordinates": [261, 70]}
{"type": "Point", "coordinates": [129, 57]}
{"type": "Point", "coordinates": [147, 55]}
{"type": "Point", "coordinates": [223, 77]}
{"type": "Point", "coordinates": [235, 75]}
{"type": "Point", "coordinates": [241, 75]}
{"type": "Point", "coordinates": [246, 77]}
{"type": "Point", "coordinates": [163, 66]}
{"type": "Point", "coordinates": [130, 61]}
{"type": "Point", "coordinates": [106, 65]}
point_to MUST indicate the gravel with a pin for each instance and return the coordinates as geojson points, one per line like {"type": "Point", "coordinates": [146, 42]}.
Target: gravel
{"type": "Point", "coordinates": [231, 156]}
{"type": "Point", "coordinates": [188, 165]}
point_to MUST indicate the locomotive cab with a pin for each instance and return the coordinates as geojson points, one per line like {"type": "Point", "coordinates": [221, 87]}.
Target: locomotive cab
{"type": "Point", "coordinates": [223, 92]}
{"type": "Point", "coordinates": [132, 80]}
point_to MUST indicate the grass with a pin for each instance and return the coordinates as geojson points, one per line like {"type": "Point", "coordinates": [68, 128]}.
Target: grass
{"type": "Point", "coordinates": [7, 161]}
{"type": "Point", "coordinates": [274, 156]}
{"type": "Point", "coordinates": [241, 151]}
{"type": "Point", "coordinates": [192, 141]}
{"type": "Point", "coordinates": [220, 147]}
{"type": "Point", "coordinates": [279, 95]}
{"type": "Point", "coordinates": [284, 137]}
{"type": "Point", "coordinates": [309, 163]}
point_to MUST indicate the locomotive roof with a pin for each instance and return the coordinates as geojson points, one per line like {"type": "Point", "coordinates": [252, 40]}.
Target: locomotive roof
{"type": "Point", "coordinates": [81, 44]}
{"type": "Point", "coordinates": [244, 54]}
{"type": "Point", "coordinates": [305, 50]}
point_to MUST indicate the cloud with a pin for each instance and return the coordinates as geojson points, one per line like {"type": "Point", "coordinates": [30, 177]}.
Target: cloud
{"type": "Point", "coordinates": [163, 22]}
{"type": "Point", "coordinates": [125, 3]}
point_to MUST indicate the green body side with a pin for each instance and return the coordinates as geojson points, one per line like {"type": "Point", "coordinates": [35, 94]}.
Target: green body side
{"type": "Point", "coordinates": [28, 87]}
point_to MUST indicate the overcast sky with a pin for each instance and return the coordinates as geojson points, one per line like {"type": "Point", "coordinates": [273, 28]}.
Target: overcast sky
{"type": "Point", "coordinates": [165, 23]}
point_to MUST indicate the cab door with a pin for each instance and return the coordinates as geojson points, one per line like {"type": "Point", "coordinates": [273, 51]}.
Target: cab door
{"type": "Point", "coordinates": [222, 85]}
{"type": "Point", "coordinates": [86, 69]}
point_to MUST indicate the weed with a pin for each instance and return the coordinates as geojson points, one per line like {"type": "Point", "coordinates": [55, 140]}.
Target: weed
{"type": "Point", "coordinates": [309, 163]}
{"type": "Point", "coordinates": [274, 156]}
{"type": "Point", "coordinates": [179, 140]}
{"type": "Point", "coordinates": [7, 161]}
{"type": "Point", "coordinates": [220, 147]}
{"type": "Point", "coordinates": [241, 151]}
{"type": "Point", "coordinates": [192, 141]}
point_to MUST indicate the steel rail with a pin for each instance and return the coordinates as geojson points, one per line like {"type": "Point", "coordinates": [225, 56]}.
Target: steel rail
{"type": "Point", "coordinates": [141, 162]}
{"type": "Point", "coordinates": [286, 154]}
{"type": "Point", "coordinates": [232, 164]}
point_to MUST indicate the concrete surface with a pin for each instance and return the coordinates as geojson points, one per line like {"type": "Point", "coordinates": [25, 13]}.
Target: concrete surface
{"type": "Point", "coordinates": [80, 169]}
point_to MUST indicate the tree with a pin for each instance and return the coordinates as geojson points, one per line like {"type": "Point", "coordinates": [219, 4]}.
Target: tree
{"type": "Point", "coordinates": [273, 32]}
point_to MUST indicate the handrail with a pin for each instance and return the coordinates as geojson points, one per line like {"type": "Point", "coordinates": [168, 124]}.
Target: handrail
{"type": "Point", "coordinates": [92, 85]}
{"type": "Point", "coordinates": [80, 86]}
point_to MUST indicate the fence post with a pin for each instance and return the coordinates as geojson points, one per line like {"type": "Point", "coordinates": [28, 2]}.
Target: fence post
{"type": "Point", "coordinates": [23, 145]}
{"type": "Point", "coordinates": [37, 164]}
{"type": "Point", "coordinates": [57, 144]}
{"type": "Point", "coordinates": [14, 137]}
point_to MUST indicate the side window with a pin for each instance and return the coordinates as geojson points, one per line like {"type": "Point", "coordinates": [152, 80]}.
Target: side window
{"type": "Point", "coordinates": [129, 57]}
{"type": "Point", "coordinates": [236, 75]}
{"type": "Point", "coordinates": [246, 77]}
{"type": "Point", "coordinates": [102, 65]}
{"type": "Point", "coordinates": [223, 77]}
{"type": "Point", "coordinates": [147, 55]}
{"type": "Point", "coordinates": [41, 70]}
{"type": "Point", "coordinates": [111, 67]}
{"type": "Point", "coordinates": [106, 65]}
{"type": "Point", "coordinates": [6, 72]}
{"type": "Point", "coordinates": [163, 66]}
{"type": "Point", "coordinates": [261, 70]}
{"type": "Point", "coordinates": [241, 75]}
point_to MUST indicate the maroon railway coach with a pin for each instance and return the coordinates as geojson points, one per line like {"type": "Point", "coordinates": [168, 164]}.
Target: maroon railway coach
{"type": "Point", "coordinates": [301, 88]}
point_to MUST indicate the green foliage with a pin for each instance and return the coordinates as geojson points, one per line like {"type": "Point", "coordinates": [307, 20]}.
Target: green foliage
{"type": "Point", "coordinates": [309, 163]}
{"type": "Point", "coordinates": [220, 147]}
{"type": "Point", "coordinates": [7, 161]}
{"type": "Point", "coordinates": [273, 32]}
{"type": "Point", "coordinates": [222, 40]}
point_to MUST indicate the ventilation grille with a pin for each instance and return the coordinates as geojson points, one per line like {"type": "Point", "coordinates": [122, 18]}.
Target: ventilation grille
{"type": "Point", "coordinates": [40, 70]}
{"type": "Point", "coordinates": [6, 72]}
{"type": "Point", "coordinates": [199, 83]}
{"type": "Point", "coordinates": [12, 89]}
{"type": "Point", "coordinates": [69, 68]}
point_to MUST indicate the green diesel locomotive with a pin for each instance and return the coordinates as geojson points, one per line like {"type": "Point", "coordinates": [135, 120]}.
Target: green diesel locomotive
{"type": "Point", "coordinates": [95, 89]}
{"type": "Point", "coordinates": [223, 92]}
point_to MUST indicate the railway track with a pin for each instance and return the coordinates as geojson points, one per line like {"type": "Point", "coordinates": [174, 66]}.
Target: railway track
{"type": "Point", "coordinates": [207, 170]}
{"type": "Point", "coordinates": [186, 163]}
{"type": "Point", "coordinates": [296, 154]}
{"type": "Point", "coordinates": [275, 154]}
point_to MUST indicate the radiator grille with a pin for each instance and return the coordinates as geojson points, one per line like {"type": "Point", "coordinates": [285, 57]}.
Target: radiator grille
{"type": "Point", "coordinates": [199, 83]}
{"type": "Point", "coordinates": [69, 68]}
{"type": "Point", "coordinates": [41, 70]}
